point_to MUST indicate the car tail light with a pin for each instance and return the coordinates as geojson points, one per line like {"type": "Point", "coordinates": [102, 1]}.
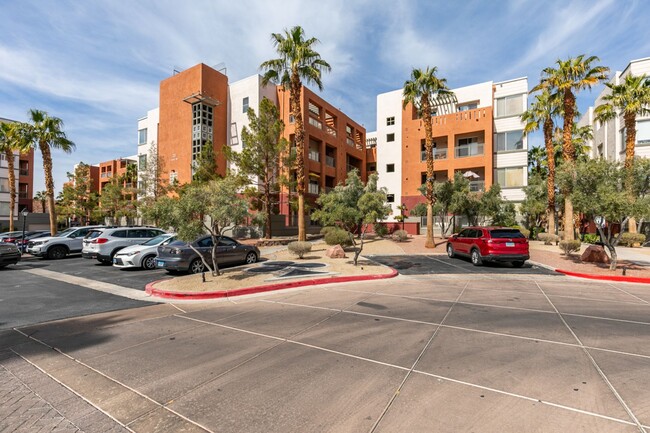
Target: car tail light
{"type": "Point", "coordinates": [100, 241]}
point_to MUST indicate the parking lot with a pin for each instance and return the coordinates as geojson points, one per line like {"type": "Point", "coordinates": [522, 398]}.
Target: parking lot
{"type": "Point", "coordinates": [487, 352]}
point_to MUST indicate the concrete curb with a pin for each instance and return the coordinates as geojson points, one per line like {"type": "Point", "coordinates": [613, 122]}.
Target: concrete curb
{"type": "Point", "coordinates": [151, 290]}
{"type": "Point", "coordinates": [619, 278]}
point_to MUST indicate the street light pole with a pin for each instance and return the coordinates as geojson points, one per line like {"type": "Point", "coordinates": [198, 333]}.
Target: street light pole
{"type": "Point", "coordinates": [24, 213]}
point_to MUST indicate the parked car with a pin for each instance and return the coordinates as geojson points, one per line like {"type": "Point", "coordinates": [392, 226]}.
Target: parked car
{"type": "Point", "coordinates": [490, 244]}
{"type": "Point", "coordinates": [103, 243]}
{"type": "Point", "coordinates": [22, 243]}
{"type": "Point", "coordinates": [8, 235]}
{"type": "Point", "coordinates": [69, 241]}
{"type": "Point", "coordinates": [9, 254]}
{"type": "Point", "coordinates": [142, 255]}
{"type": "Point", "coordinates": [179, 256]}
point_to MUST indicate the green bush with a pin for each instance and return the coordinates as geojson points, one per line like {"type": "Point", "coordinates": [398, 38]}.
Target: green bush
{"type": "Point", "coordinates": [299, 248]}
{"type": "Point", "coordinates": [380, 229]}
{"type": "Point", "coordinates": [570, 246]}
{"type": "Point", "coordinates": [629, 239]}
{"type": "Point", "coordinates": [590, 238]}
{"type": "Point", "coordinates": [338, 236]}
{"type": "Point", "coordinates": [548, 238]}
{"type": "Point", "coordinates": [400, 235]}
{"type": "Point", "coordinates": [327, 229]}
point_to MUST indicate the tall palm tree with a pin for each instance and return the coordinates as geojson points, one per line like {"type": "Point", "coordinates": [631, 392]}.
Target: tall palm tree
{"type": "Point", "coordinates": [46, 133]}
{"type": "Point", "coordinates": [12, 141]}
{"type": "Point", "coordinates": [425, 90]}
{"type": "Point", "coordinates": [631, 98]}
{"type": "Point", "coordinates": [42, 197]}
{"type": "Point", "coordinates": [569, 77]}
{"type": "Point", "coordinates": [542, 112]}
{"type": "Point", "coordinates": [297, 61]}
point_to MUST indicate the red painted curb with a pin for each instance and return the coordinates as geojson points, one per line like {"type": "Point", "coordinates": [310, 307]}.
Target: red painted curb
{"type": "Point", "coordinates": [619, 278]}
{"type": "Point", "coordinates": [151, 290]}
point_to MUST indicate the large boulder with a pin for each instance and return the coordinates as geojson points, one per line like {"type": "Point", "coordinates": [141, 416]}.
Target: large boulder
{"type": "Point", "coordinates": [336, 252]}
{"type": "Point", "coordinates": [595, 254]}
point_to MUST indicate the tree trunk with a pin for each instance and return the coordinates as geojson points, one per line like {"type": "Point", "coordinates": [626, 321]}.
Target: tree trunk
{"type": "Point", "coordinates": [630, 141]}
{"type": "Point", "coordinates": [49, 184]}
{"type": "Point", "coordinates": [428, 142]}
{"type": "Point", "coordinates": [296, 111]}
{"type": "Point", "coordinates": [569, 156]}
{"type": "Point", "coordinates": [9, 154]}
{"type": "Point", "coordinates": [268, 204]}
{"type": "Point", "coordinates": [550, 180]}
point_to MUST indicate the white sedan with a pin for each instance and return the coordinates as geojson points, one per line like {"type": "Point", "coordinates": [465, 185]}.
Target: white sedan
{"type": "Point", "coordinates": [143, 255]}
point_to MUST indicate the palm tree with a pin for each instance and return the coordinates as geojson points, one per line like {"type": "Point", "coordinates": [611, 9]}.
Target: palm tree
{"type": "Point", "coordinates": [425, 90]}
{"type": "Point", "coordinates": [12, 140]}
{"type": "Point", "coordinates": [297, 62]}
{"type": "Point", "coordinates": [631, 99]}
{"type": "Point", "coordinates": [570, 76]}
{"type": "Point", "coordinates": [42, 197]}
{"type": "Point", "coordinates": [542, 112]}
{"type": "Point", "coordinates": [46, 133]}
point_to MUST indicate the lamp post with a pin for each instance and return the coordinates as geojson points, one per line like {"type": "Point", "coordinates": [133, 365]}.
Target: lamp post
{"type": "Point", "coordinates": [24, 213]}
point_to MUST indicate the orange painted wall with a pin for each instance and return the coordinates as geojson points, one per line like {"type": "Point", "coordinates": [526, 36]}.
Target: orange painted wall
{"type": "Point", "coordinates": [26, 180]}
{"type": "Point", "coordinates": [175, 124]}
{"type": "Point", "coordinates": [478, 122]}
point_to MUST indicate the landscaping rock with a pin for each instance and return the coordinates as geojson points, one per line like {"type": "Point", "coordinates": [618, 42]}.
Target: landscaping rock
{"type": "Point", "coordinates": [594, 254]}
{"type": "Point", "coordinates": [336, 252]}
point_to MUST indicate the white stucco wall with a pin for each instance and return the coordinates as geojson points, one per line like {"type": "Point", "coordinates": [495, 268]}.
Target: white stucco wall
{"type": "Point", "coordinates": [389, 105]}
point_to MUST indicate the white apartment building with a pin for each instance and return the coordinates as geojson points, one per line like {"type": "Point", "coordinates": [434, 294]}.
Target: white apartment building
{"type": "Point", "coordinates": [147, 140]}
{"type": "Point", "coordinates": [481, 135]}
{"type": "Point", "coordinates": [609, 137]}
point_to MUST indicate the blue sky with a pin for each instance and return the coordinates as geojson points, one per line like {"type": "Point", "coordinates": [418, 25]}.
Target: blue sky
{"type": "Point", "coordinates": [98, 64]}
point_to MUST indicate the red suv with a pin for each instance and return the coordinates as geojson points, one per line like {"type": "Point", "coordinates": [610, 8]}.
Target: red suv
{"type": "Point", "coordinates": [490, 244]}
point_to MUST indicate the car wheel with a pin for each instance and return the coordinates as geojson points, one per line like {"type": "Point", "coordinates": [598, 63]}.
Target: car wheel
{"type": "Point", "coordinates": [518, 263]}
{"type": "Point", "coordinates": [450, 251]}
{"type": "Point", "coordinates": [56, 253]}
{"type": "Point", "coordinates": [149, 262]}
{"type": "Point", "coordinates": [476, 258]}
{"type": "Point", "coordinates": [196, 267]}
{"type": "Point", "coordinates": [251, 258]}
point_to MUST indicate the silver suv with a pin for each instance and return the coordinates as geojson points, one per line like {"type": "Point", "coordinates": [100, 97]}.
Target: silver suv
{"type": "Point", "coordinates": [103, 243]}
{"type": "Point", "coordinates": [69, 241]}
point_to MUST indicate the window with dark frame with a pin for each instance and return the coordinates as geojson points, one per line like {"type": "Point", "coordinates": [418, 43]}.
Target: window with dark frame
{"type": "Point", "coordinates": [390, 168]}
{"type": "Point", "coordinates": [390, 137]}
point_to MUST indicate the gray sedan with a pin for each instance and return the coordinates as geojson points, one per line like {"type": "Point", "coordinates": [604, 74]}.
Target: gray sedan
{"type": "Point", "coordinates": [178, 256]}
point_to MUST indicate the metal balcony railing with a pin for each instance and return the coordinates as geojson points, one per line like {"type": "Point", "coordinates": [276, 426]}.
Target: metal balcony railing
{"type": "Point", "coordinates": [314, 155]}
{"type": "Point", "coordinates": [350, 141]}
{"type": "Point", "coordinates": [330, 130]}
{"type": "Point", "coordinates": [312, 188]}
{"type": "Point", "coordinates": [329, 161]}
{"type": "Point", "coordinates": [24, 172]}
{"type": "Point", "coordinates": [316, 123]}
{"type": "Point", "coordinates": [437, 154]}
{"type": "Point", "coordinates": [466, 150]}
{"type": "Point", "coordinates": [476, 185]}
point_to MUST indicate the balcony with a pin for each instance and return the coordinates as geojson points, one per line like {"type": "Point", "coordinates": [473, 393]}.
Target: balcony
{"type": "Point", "coordinates": [22, 195]}
{"type": "Point", "coordinates": [330, 161]}
{"type": "Point", "coordinates": [316, 123]}
{"type": "Point", "coordinates": [349, 141]}
{"type": "Point", "coordinates": [24, 172]}
{"type": "Point", "coordinates": [107, 174]}
{"type": "Point", "coordinates": [467, 150]}
{"type": "Point", "coordinates": [437, 154]}
{"type": "Point", "coordinates": [476, 185]}
{"type": "Point", "coordinates": [312, 188]}
{"type": "Point", "coordinates": [351, 167]}
{"type": "Point", "coordinates": [314, 155]}
{"type": "Point", "coordinates": [330, 130]}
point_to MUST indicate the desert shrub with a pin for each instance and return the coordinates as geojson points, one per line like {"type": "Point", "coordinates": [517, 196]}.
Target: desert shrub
{"type": "Point", "coordinates": [299, 248]}
{"type": "Point", "coordinates": [400, 235]}
{"type": "Point", "coordinates": [590, 238]}
{"type": "Point", "coordinates": [338, 236]}
{"type": "Point", "coordinates": [380, 230]}
{"type": "Point", "coordinates": [629, 239]}
{"type": "Point", "coordinates": [547, 238]}
{"type": "Point", "coordinates": [327, 229]}
{"type": "Point", "coordinates": [570, 246]}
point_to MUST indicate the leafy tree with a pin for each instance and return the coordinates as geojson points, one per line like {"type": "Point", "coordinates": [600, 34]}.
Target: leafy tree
{"type": "Point", "coordinates": [77, 198]}
{"type": "Point", "coordinates": [264, 152]}
{"type": "Point", "coordinates": [475, 205]}
{"type": "Point", "coordinates": [297, 61]}
{"type": "Point", "coordinates": [46, 133]}
{"type": "Point", "coordinates": [12, 141]}
{"type": "Point", "coordinates": [205, 166]}
{"type": "Point", "coordinates": [353, 206]}
{"type": "Point", "coordinates": [424, 90]}
{"type": "Point", "coordinates": [599, 190]}
{"type": "Point", "coordinates": [631, 98]}
{"type": "Point", "coordinates": [495, 208]}
{"type": "Point", "coordinates": [211, 207]}
{"type": "Point", "coordinates": [535, 206]}
{"type": "Point", "coordinates": [116, 200]}
{"type": "Point", "coordinates": [569, 77]}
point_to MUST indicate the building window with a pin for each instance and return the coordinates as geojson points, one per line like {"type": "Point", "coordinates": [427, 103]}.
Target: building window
{"type": "Point", "coordinates": [142, 136]}
{"type": "Point", "coordinates": [202, 116]}
{"type": "Point", "coordinates": [173, 177]}
{"type": "Point", "coordinates": [291, 118]}
{"type": "Point", "coordinates": [390, 198]}
{"type": "Point", "coordinates": [4, 184]}
{"type": "Point", "coordinates": [390, 137]}
{"type": "Point", "coordinates": [468, 106]}
{"type": "Point", "coordinates": [142, 162]}
{"type": "Point", "coordinates": [510, 177]}
{"type": "Point", "coordinates": [245, 105]}
{"type": "Point", "coordinates": [510, 106]}
{"type": "Point", "coordinates": [390, 168]}
{"type": "Point", "coordinates": [643, 133]}
{"type": "Point", "coordinates": [4, 208]}
{"type": "Point", "coordinates": [390, 121]}
{"type": "Point", "coordinates": [510, 141]}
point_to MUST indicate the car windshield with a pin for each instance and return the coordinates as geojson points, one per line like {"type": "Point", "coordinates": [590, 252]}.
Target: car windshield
{"type": "Point", "coordinates": [65, 233]}
{"type": "Point", "coordinates": [506, 233]}
{"type": "Point", "coordinates": [155, 241]}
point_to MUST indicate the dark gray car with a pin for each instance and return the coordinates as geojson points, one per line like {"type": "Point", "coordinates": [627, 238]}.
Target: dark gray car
{"type": "Point", "coordinates": [178, 256]}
